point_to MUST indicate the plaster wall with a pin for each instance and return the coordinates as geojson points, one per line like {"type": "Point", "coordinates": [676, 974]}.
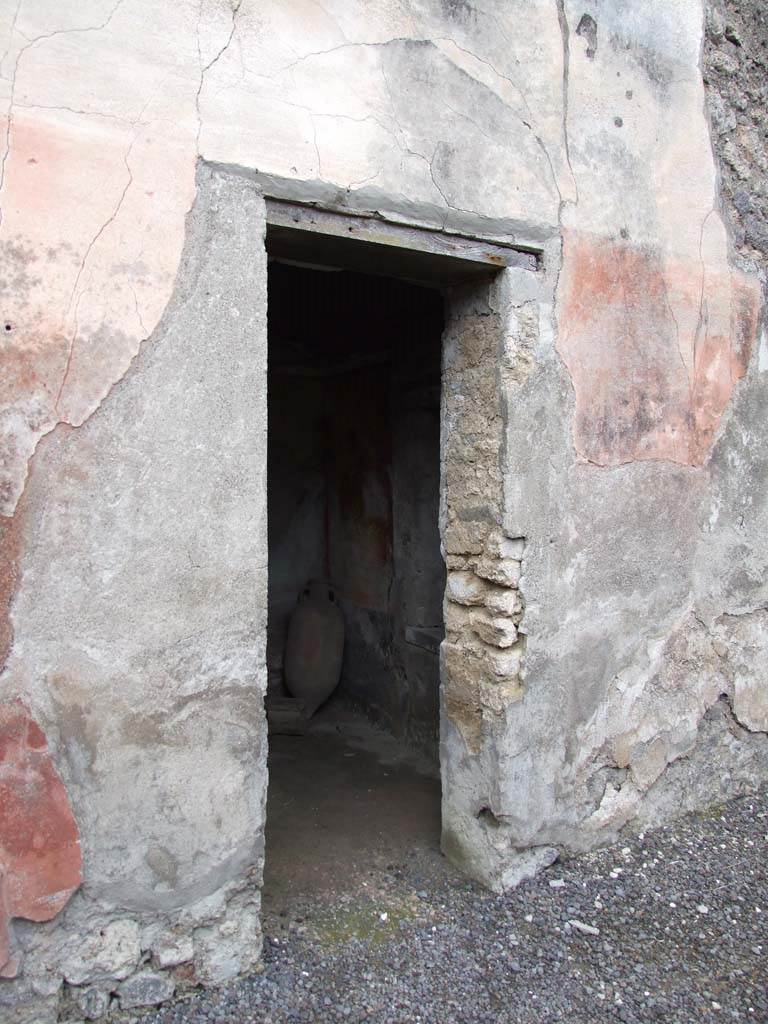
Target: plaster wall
{"type": "Point", "coordinates": [139, 639]}
{"type": "Point", "coordinates": [634, 700]}
{"type": "Point", "coordinates": [297, 489]}
{"type": "Point", "coordinates": [389, 566]}
{"type": "Point", "coordinates": [604, 501]}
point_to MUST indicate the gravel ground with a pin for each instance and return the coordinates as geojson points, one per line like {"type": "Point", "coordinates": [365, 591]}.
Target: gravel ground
{"type": "Point", "coordinates": [676, 931]}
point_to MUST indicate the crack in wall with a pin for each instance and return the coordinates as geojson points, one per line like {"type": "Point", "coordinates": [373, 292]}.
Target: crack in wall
{"type": "Point", "coordinates": [651, 746]}
{"type": "Point", "coordinates": [702, 322]}
{"type": "Point", "coordinates": [405, 147]}
{"type": "Point", "coordinates": [118, 118]}
{"type": "Point", "coordinates": [491, 67]}
{"type": "Point", "coordinates": [728, 700]}
{"type": "Point", "coordinates": [527, 124]}
{"type": "Point", "coordinates": [77, 296]}
{"type": "Point", "coordinates": [211, 63]}
{"type": "Point", "coordinates": [19, 55]}
{"type": "Point", "coordinates": [11, 33]}
{"type": "Point", "coordinates": [402, 142]}
{"type": "Point", "coordinates": [565, 34]}
{"type": "Point", "coordinates": [77, 301]}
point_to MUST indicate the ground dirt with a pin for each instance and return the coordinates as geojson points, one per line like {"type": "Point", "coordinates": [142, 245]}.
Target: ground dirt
{"type": "Point", "coordinates": [365, 921]}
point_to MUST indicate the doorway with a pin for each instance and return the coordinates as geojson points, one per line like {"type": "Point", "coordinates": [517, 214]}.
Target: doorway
{"type": "Point", "coordinates": [392, 353]}
{"type": "Point", "coordinates": [354, 380]}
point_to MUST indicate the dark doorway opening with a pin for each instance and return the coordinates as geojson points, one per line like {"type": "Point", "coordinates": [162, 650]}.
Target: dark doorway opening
{"type": "Point", "coordinates": [353, 495]}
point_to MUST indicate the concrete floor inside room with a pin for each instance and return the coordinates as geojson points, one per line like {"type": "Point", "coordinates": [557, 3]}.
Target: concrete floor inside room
{"type": "Point", "coordinates": [353, 831]}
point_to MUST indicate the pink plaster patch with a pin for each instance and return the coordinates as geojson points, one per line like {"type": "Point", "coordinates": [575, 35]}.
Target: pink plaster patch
{"type": "Point", "coordinates": [40, 858]}
{"type": "Point", "coordinates": [91, 235]}
{"type": "Point", "coordinates": [654, 346]}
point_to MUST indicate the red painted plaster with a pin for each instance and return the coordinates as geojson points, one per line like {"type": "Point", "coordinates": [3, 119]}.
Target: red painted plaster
{"type": "Point", "coordinates": [40, 858]}
{"type": "Point", "coordinates": [654, 346]}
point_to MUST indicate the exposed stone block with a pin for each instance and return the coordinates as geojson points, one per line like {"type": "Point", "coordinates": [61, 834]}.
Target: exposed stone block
{"type": "Point", "coordinates": [112, 952]}
{"type": "Point", "coordinates": [504, 601]}
{"type": "Point", "coordinates": [503, 547]}
{"type": "Point", "coordinates": [30, 1000]}
{"type": "Point", "coordinates": [647, 762]}
{"type": "Point", "coordinates": [457, 563]}
{"type": "Point", "coordinates": [505, 571]}
{"type": "Point", "coordinates": [465, 588]}
{"type": "Point", "coordinates": [171, 950]}
{"type": "Point", "coordinates": [526, 864]}
{"type": "Point", "coordinates": [498, 631]}
{"type": "Point", "coordinates": [233, 945]}
{"type": "Point", "coordinates": [145, 989]}
{"type": "Point", "coordinates": [506, 663]}
{"type": "Point", "coordinates": [92, 1002]}
{"type": "Point", "coordinates": [465, 538]}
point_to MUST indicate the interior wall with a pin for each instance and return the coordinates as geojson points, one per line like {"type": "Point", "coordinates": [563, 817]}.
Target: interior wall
{"type": "Point", "coordinates": [354, 481]}
{"type": "Point", "coordinates": [360, 538]}
{"type": "Point", "coordinates": [296, 474]}
{"type": "Point", "coordinates": [416, 598]}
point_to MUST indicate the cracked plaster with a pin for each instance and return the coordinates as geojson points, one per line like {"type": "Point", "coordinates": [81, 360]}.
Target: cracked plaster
{"type": "Point", "coordinates": [633, 538]}
{"type": "Point", "coordinates": [637, 687]}
{"type": "Point", "coordinates": [140, 642]}
{"type": "Point", "coordinates": [98, 168]}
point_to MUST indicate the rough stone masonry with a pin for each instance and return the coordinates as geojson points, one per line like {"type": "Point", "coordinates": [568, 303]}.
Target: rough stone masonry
{"type": "Point", "coordinates": [604, 506]}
